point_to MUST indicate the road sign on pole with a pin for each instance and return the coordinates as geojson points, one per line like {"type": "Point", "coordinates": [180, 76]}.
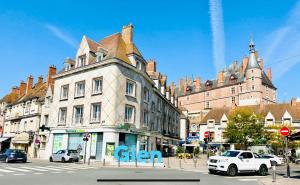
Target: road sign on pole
{"type": "Point", "coordinates": [284, 131]}
{"type": "Point", "coordinates": [206, 134]}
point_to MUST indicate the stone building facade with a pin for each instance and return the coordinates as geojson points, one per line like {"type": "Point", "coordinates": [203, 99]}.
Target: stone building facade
{"type": "Point", "coordinates": [238, 85]}
{"type": "Point", "coordinates": [111, 94]}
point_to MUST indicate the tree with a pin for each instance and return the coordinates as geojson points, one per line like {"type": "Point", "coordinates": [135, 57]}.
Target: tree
{"type": "Point", "coordinates": [246, 128]}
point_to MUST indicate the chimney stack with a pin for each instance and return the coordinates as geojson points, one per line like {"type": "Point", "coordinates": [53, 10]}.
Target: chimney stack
{"type": "Point", "coordinates": [15, 90]}
{"type": "Point", "coordinates": [29, 84]}
{"type": "Point", "coordinates": [198, 84]}
{"type": "Point", "coordinates": [22, 90]}
{"type": "Point", "coordinates": [51, 72]}
{"type": "Point", "coordinates": [261, 64]}
{"type": "Point", "coordinates": [127, 33]}
{"type": "Point", "coordinates": [245, 63]}
{"type": "Point", "coordinates": [180, 85]}
{"type": "Point", "coordinates": [221, 78]}
{"type": "Point", "coordinates": [40, 81]}
{"type": "Point", "coordinates": [185, 86]}
{"type": "Point", "coordinates": [173, 89]}
{"type": "Point", "coordinates": [151, 66]}
{"type": "Point", "coordinates": [269, 74]}
{"type": "Point", "coordinates": [294, 101]}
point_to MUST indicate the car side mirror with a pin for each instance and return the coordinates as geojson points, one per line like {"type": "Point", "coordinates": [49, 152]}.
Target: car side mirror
{"type": "Point", "coordinates": [241, 157]}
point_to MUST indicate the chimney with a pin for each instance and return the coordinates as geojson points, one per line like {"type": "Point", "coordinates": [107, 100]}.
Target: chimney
{"type": "Point", "coordinates": [269, 74]}
{"type": "Point", "coordinates": [15, 90]}
{"type": "Point", "coordinates": [22, 90]}
{"type": "Point", "coordinates": [245, 63]}
{"type": "Point", "coordinates": [261, 64]}
{"type": "Point", "coordinates": [173, 89]}
{"type": "Point", "coordinates": [294, 101]}
{"type": "Point", "coordinates": [180, 85]}
{"type": "Point", "coordinates": [151, 66]}
{"type": "Point", "coordinates": [51, 72]}
{"type": "Point", "coordinates": [40, 80]}
{"type": "Point", "coordinates": [185, 86]}
{"type": "Point", "coordinates": [29, 84]}
{"type": "Point", "coordinates": [220, 78]}
{"type": "Point", "coordinates": [127, 33]}
{"type": "Point", "coordinates": [198, 84]}
{"type": "Point", "coordinates": [168, 93]}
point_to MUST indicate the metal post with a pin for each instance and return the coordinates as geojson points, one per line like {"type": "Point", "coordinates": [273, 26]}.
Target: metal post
{"type": "Point", "coordinates": [153, 162]}
{"type": "Point", "coordinates": [104, 162]}
{"type": "Point", "coordinates": [89, 161]}
{"type": "Point", "coordinates": [288, 173]}
{"type": "Point", "coordinates": [180, 164]}
{"type": "Point", "coordinates": [119, 161]}
{"type": "Point", "coordinates": [195, 162]}
{"type": "Point", "coordinates": [208, 145]}
{"type": "Point", "coordinates": [84, 157]}
{"type": "Point", "coordinates": [274, 173]}
{"type": "Point", "coordinates": [136, 162]}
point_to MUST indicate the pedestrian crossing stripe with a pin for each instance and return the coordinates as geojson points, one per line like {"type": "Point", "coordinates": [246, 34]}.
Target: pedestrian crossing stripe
{"type": "Point", "coordinates": [6, 171]}
{"type": "Point", "coordinates": [31, 168]}
{"type": "Point", "coordinates": [17, 169]}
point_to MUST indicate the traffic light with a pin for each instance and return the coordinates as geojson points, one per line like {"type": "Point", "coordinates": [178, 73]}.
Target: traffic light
{"type": "Point", "coordinates": [205, 140]}
{"type": "Point", "coordinates": [85, 139]}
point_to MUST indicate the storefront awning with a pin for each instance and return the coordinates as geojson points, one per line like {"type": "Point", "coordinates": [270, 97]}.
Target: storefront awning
{"type": "Point", "coordinates": [3, 139]}
{"type": "Point", "coordinates": [22, 138]}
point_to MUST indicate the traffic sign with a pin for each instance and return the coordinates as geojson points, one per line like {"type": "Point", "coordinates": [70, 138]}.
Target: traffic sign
{"type": "Point", "coordinates": [284, 131]}
{"type": "Point", "coordinates": [206, 134]}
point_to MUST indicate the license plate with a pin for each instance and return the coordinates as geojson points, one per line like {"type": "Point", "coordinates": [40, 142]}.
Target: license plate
{"type": "Point", "coordinates": [19, 158]}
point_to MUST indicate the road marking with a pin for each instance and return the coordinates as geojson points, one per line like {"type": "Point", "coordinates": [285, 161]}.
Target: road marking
{"type": "Point", "coordinates": [19, 174]}
{"type": "Point", "coordinates": [18, 169]}
{"type": "Point", "coordinates": [38, 173]}
{"type": "Point", "coordinates": [1, 175]}
{"type": "Point", "coordinates": [55, 172]}
{"type": "Point", "coordinates": [40, 170]}
{"type": "Point", "coordinates": [46, 168]}
{"type": "Point", "coordinates": [6, 171]}
{"type": "Point", "coordinates": [70, 172]}
{"type": "Point", "coordinates": [247, 180]}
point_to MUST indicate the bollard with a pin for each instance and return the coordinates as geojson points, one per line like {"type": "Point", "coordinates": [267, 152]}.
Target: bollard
{"type": "Point", "coordinates": [153, 162]}
{"type": "Point", "coordinates": [168, 162]}
{"type": "Point", "coordinates": [136, 164]}
{"type": "Point", "coordinates": [119, 162]}
{"type": "Point", "coordinates": [89, 161]}
{"type": "Point", "coordinates": [274, 173]}
{"type": "Point", "coordinates": [104, 162]}
{"type": "Point", "coordinates": [180, 164]}
{"type": "Point", "coordinates": [195, 163]}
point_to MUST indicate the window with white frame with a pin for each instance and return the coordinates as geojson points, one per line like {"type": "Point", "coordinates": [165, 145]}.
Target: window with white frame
{"type": "Point", "coordinates": [130, 88]}
{"type": "Point", "coordinates": [241, 89]}
{"type": "Point", "coordinates": [129, 114]}
{"type": "Point", "coordinates": [79, 89]}
{"type": "Point", "coordinates": [95, 112]}
{"type": "Point", "coordinates": [47, 101]}
{"type": "Point", "coordinates": [207, 106]}
{"type": "Point", "coordinates": [233, 100]}
{"type": "Point", "coordinates": [64, 92]}
{"type": "Point", "coordinates": [97, 85]}
{"type": "Point", "coordinates": [46, 119]}
{"type": "Point", "coordinates": [146, 118]}
{"type": "Point", "coordinates": [153, 107]}
{"type": "Point", "coordinates": [81, 61]}
{"type": "Point", "coordinates": [146, 94]}
{"type": "Point", "coordinates": [27, 107]}
{"type": "Point", "coordinates": [159, 105]}
{"type": "Point", "coordinates": [62, 115]}
{"type": "Point", "coordinates": [78, 114]}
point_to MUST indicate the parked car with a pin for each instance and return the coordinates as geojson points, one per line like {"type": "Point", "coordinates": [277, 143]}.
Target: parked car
{"type": "Point", "coordinates": [13, 155]}
{"type": "Point", "coordinates": [65, 156]}
{"type": "Point", "coordinates": [278, 160]}
{"type": "Point", "coordinates": [233, 162]}
{"type": "Point", "coordinates": [297, 161]}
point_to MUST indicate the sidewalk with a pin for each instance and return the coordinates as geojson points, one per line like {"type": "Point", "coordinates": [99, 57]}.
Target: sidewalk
{"type": "Point", "coordinates": [279, 181]}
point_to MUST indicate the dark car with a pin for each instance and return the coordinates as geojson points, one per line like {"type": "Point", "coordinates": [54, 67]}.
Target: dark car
{"type": "Point", "coordinates": [13, 155]}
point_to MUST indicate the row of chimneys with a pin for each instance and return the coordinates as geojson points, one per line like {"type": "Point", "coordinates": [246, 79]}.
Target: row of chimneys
{"type": "Point", "coordinates": [25, 88]}
{"type": "Point", "coordinates": [261, 65]}
{"type": "Point", "coordinates": [161, 83]}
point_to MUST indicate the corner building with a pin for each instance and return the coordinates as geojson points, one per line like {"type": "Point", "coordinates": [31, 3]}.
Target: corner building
{"type": "Point", "coordinates": [106, 91]}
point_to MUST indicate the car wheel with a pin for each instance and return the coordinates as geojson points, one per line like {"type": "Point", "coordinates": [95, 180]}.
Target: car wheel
{"type": "Point", "coordinates": [24, 161]}
{"type": "Point", "coordinates": [51, 159]}
{"type": "Point", "coordinates": [212, 171]}
{"type": "Point", "coordinates": [63, 160]}
{"type": "Point", "coordinates": [298, 162]}
{"type": "Point", "coordinates": [6, 160]}
{"type": "Point", "coordinates": [232, 170]}
{"type": "Point", "coordinates": [263, 170]}
{"type": "Point", "coordinates": [76, 160]}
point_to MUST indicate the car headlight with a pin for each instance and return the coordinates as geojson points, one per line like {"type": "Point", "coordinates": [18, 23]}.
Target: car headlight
{"type": "Point", "coordinates": [222, 160]}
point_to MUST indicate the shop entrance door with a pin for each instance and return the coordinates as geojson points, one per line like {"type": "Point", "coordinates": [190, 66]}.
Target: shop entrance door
{"type": "Point", "coordinates": [99, 146]}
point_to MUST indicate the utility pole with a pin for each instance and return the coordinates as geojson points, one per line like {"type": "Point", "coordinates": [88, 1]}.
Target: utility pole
{"type": "Point", "coordinates": [288, 172]}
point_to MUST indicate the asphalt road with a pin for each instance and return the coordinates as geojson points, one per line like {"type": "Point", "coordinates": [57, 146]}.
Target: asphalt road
{"type": "Point", "coordinates": [46, 173]}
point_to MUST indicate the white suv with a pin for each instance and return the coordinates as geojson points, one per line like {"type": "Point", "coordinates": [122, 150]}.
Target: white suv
{"type": "Point", "coordinates": [65, 156]}
{"type": "Point", "coordinates": [238, 161]}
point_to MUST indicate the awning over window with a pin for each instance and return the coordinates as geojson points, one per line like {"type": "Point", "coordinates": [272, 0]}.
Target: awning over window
{"type": "Point", "coordinates": [3, 139]}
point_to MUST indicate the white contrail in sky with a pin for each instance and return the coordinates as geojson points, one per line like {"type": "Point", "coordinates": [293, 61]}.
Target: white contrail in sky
{"type": "Point", "coordinates": [61, 35]}
{"type": "Point", "coordinates": [216, 22]}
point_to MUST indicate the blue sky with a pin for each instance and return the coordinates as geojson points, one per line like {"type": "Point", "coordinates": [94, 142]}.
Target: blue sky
{"type": "Point", "coordinates": [185, 37]}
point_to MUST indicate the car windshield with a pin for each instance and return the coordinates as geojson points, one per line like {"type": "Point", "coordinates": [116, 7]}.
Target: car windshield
{"type": "Point", "coordinates": [230, 153]}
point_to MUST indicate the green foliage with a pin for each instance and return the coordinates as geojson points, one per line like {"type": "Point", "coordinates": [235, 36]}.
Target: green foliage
{"type": "Point", "coordinates": [179, 150]}
{"type": "Point", "coordinates": [261, 152]}
{"type": "Point", "coordinates": [196, 151]}
{"type": "Point", "coordinates": [246, 128]}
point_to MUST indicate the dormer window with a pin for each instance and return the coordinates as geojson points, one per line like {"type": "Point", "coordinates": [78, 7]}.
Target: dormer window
{"type": "Point", "coordinates": [67, 67]}
{"type": "Point", "coordinates": [210, 123]}
{"type": "Point", "coordinates": [81, 61]}
{"type": "Point", "coordinates": [233, 78]}
{"type": "Point", "coordinates": [101, 53]}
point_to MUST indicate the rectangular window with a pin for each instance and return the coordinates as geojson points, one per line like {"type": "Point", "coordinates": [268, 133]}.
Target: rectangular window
{"type": "Point", "coordinates": [62, 116]}
{"type": "Point", "coordinates": [146, 118]}
{"type": "Point", "coordinates": [233, 90]}
{"type": "Point", "coordinates": [233, 100]}
{"type": "Point", "coordinates": [207, 94]}
{"type": "Point", "coordinates": [153, 107]}
{"type": "Point", "coordinates": [241, 89]}
{"type": "Point", "coordinates": [64, 92]}
{"type": "Point", "coordinates": [129, 114]}
{"type": "Point", "coordinates": [146, 95]}
{"type": "Point", "coordinates": [81, 61]}
{"type": "Point", "coordinates": [207, 105]}
{"type": "Point", "coordinates": [78, 114]}
{"type": "Point", "coordinates": [79, 89]}
{"type": "Point", "coordinates": [159, 105]}
{"type": "Point", "coordinates": [46, 118]}
{"type": "Point", "coordinates": [97, 85]}
{"type": "Point", "coordinates": [130, 88]}
{"type": "Point", "coordinates": [252, 87]}
{"type": "Point", "coordinates": [95, 112]}
{"type": "Point", "coordinates": [27, 107]}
